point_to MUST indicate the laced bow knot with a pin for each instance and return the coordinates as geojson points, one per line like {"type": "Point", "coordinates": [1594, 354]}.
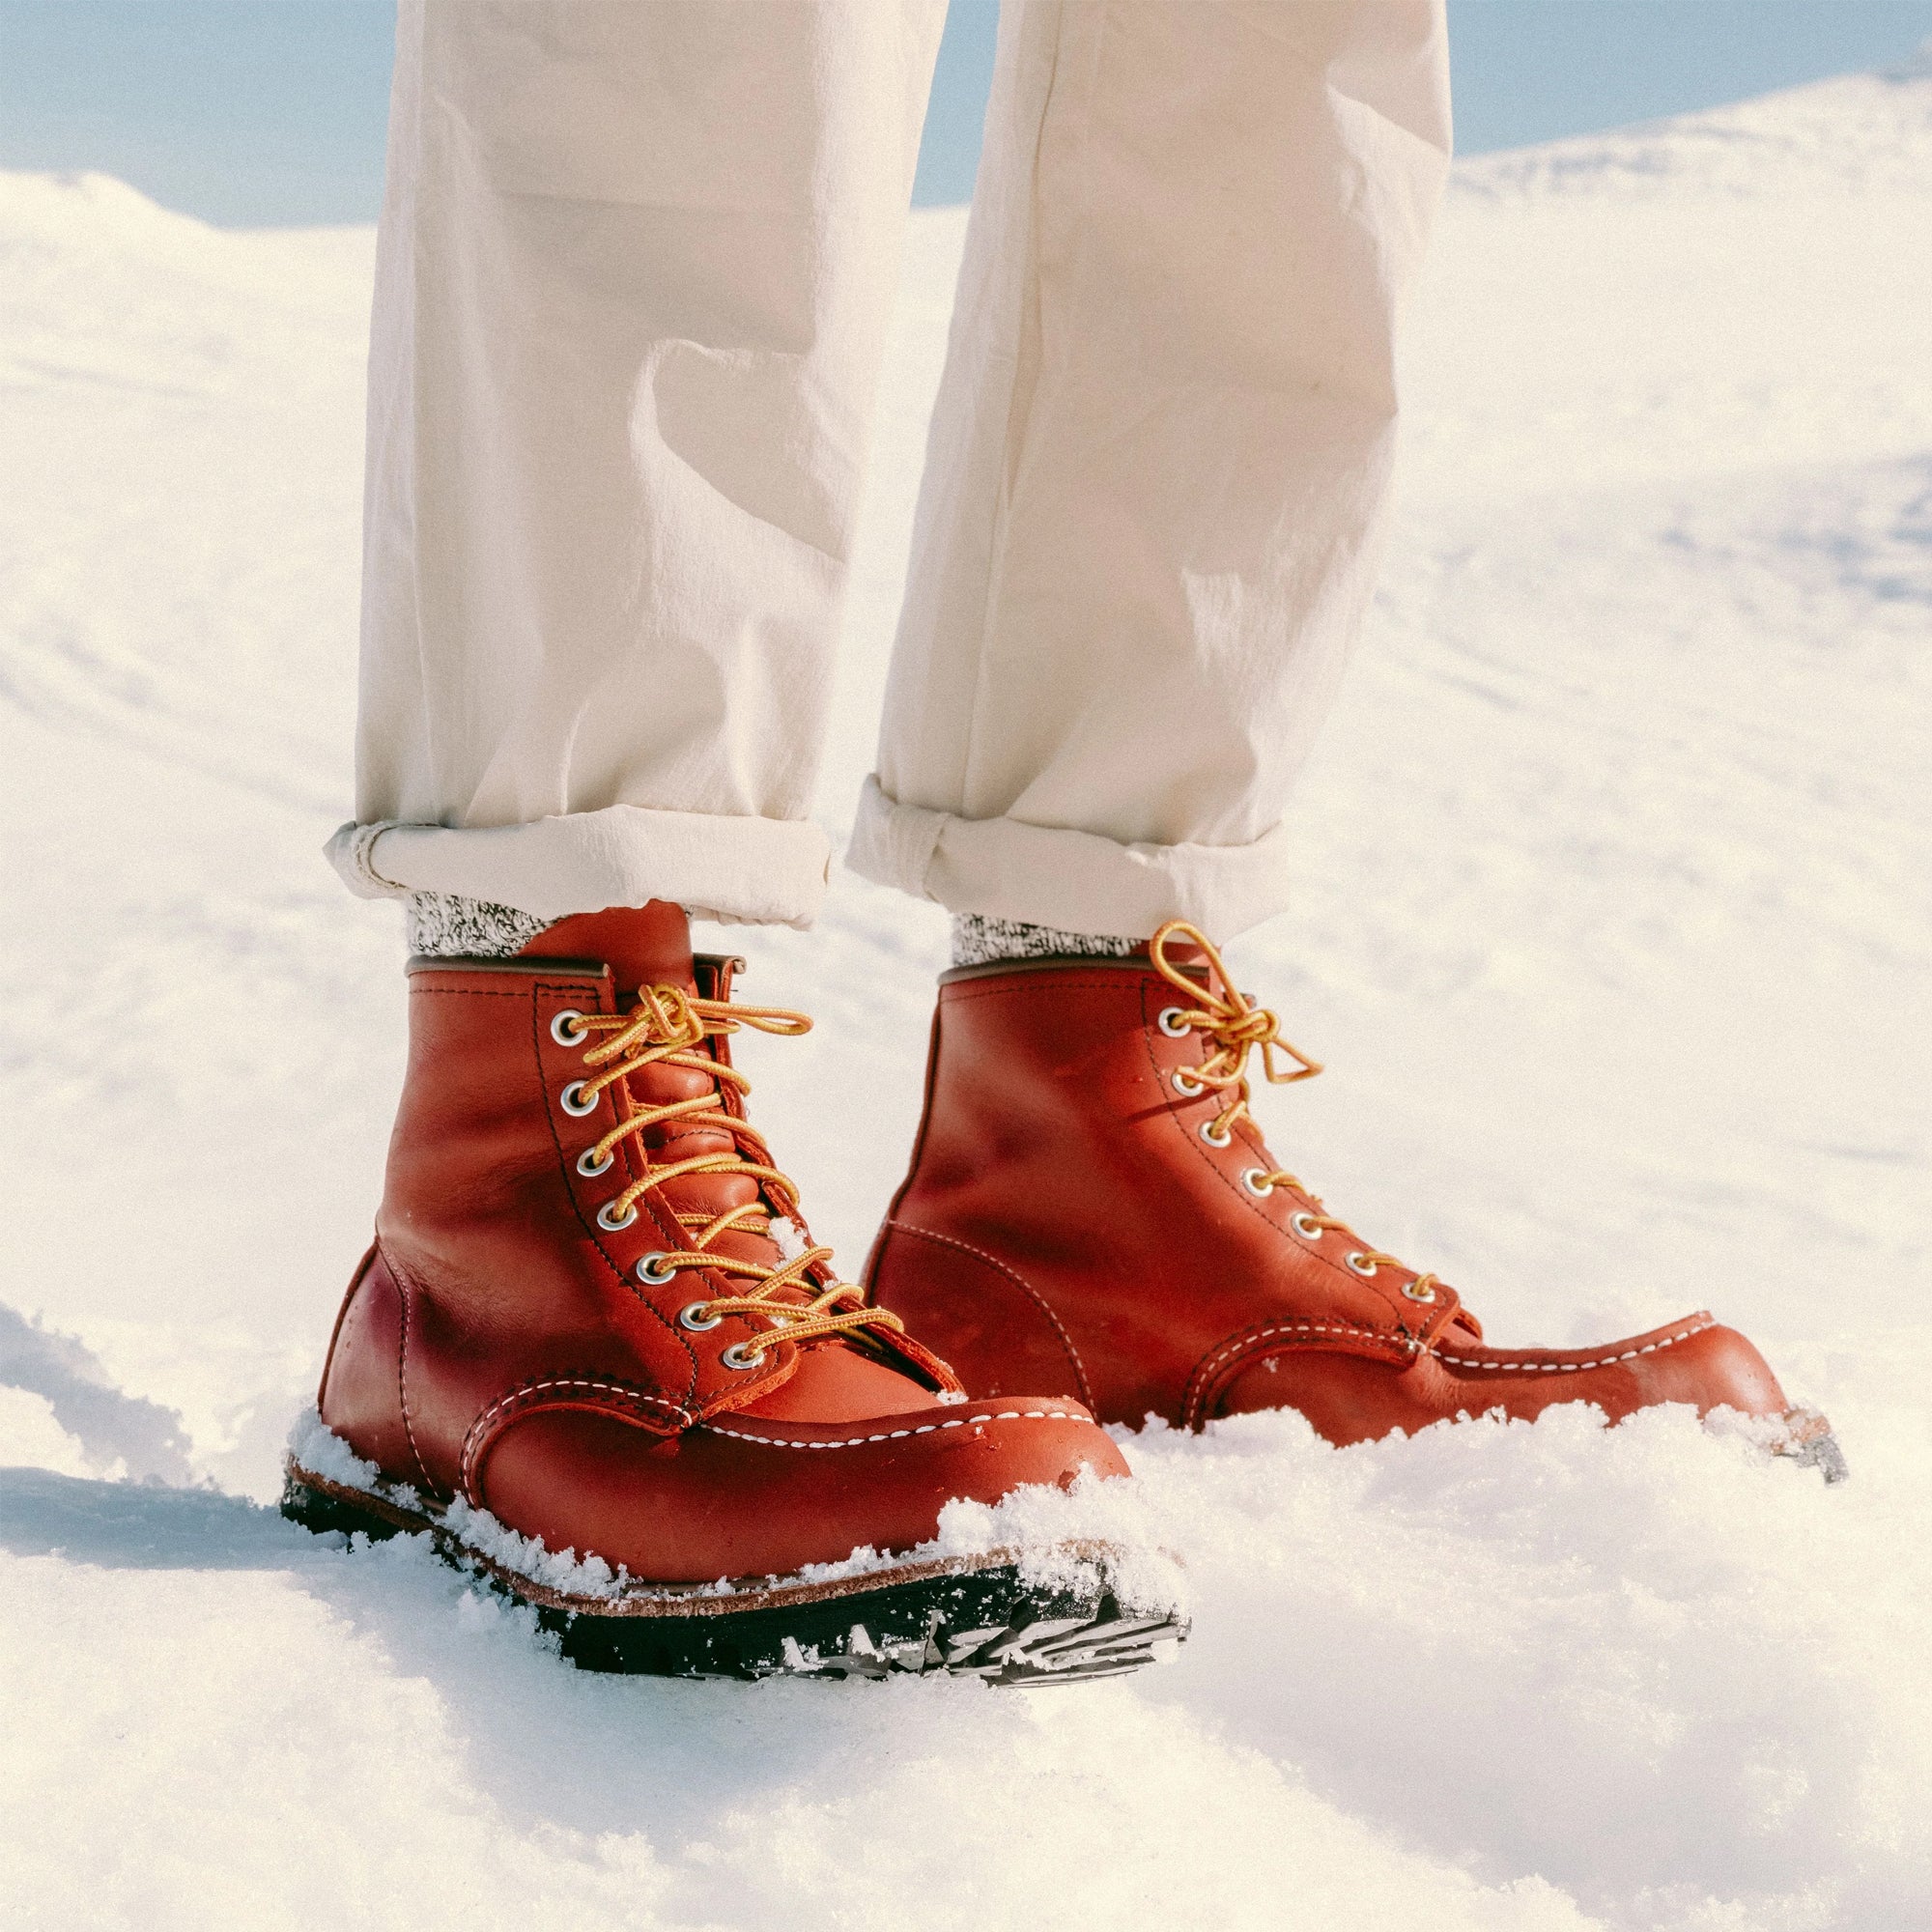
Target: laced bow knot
{"type": "Point", "coordinates": [799, 1298]}
{"type": "Point", "coordinates": [1230, 1021]}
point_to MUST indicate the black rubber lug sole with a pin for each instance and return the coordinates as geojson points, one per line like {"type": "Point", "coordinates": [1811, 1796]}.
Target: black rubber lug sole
{"type": "Point", "coordinates": [990, 1623]}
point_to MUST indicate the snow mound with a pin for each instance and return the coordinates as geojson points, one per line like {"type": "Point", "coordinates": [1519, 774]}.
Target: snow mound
{"type": "Point", "coordinates": [1613, 1658]}
{"type": "Point", "coordinates": [1056, 1535]}
{"type": "Point", "coordinates": [1867, 134]}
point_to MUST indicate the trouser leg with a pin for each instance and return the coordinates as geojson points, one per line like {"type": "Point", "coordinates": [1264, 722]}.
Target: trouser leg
{"type": "Point", "coordinates": [635, 268]}
{"type": "Point", "coordinates": [1159, 457]}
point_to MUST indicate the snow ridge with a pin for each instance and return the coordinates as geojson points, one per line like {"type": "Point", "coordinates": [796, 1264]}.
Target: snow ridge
{"type": "Point", "coordinates": [1861, 134]}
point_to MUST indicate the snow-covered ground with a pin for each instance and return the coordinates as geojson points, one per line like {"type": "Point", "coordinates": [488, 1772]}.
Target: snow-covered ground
{"type": "Point", "coordinates": [1613, 929]}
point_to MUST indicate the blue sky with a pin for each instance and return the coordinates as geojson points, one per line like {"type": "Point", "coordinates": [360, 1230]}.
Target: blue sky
{"type": "Point", "coordinates": [255, 112]}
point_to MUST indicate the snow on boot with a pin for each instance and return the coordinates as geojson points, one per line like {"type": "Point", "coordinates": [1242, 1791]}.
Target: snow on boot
{"type": "Point", "coordinates": [1091, 1208]}
{"type": "Point", "coordinates": [595, 1354]}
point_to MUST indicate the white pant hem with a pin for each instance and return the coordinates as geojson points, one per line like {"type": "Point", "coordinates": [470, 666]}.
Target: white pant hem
{"type": "Point", "coordinates": [1079, 881]}
{"type": "Point", "coordinates": [754, 872]}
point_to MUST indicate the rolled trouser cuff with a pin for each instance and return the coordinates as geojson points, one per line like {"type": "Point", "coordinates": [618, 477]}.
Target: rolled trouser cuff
{"type": "Point", "coordinates": [1046, 875]}
{"type": "Point", "coordinates": [759, 872]}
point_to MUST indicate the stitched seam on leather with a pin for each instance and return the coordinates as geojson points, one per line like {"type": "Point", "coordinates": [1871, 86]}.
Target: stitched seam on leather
{"type": "Point", "coordinates": [899, 1434]}
{"type": "Point", "coordinates": [1019, 1281]}
{"type": "Point", "coordinates": [1203, 1380]}
{"type": "Point", "coordinates": [356, 1282]}
{"type": "Point", "coordinates": [477, 1439]}
{"type": "Point", "coordinates": [1522, 1367]}
{"type": "Point", "coordinates": [462, 993]}
{"type": "Point", "coordinates": [1036, 982]}
{"type": "Point", "coordinates": [1204, 1374]}
{"type": "Point", "coordinates": [404, 1299]}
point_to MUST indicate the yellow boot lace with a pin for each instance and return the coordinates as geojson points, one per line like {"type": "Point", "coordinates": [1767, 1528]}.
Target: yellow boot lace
{"type": "Point", "coordinates": [1234, 1027]}
{"type": "Point", "coordinates": [670, 1027]}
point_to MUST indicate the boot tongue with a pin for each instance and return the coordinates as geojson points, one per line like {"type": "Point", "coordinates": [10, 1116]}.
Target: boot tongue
{"type": "Point", "coordinates": [648, 945]}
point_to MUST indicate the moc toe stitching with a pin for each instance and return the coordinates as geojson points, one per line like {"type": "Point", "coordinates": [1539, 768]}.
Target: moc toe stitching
{"type": "Point", "coordinates": [901, 1434]}
{"type": "Point", "coordinates": [555, 1392]}
{"type": "Point", "coordinates": [1225, 1362]}
{"type": "Point", "coordinates": [1520, 1361]}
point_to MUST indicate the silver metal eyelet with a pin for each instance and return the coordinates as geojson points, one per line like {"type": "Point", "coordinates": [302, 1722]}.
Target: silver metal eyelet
{"type": "Point", "coordinates": [573, 1103]}
{"type": "Point", "coordinates": [1410, 1288]}
{"type": "Point", "coordinates": [590, 1167]}
{"type": "Point", "coordinates": [740, 1355]}
{"type": "Point", "coordinates": [1214, 1139]}
{"type": "Point", "coordinates": [1173, 1022]}
{"type": "Point", "coordinates": [694, 1317]}
{"type": "Point", "coordinates": [1305, 1224]}
{"type": "Point", "coordinates": [610, 1222]}
{"type": "Point", "coordinates": [1257, 1183]}
{"type": "Point", "coordinates": [567, 1028]}
{"type": "Point", "coordinates": [1184, 1083]}
{"type": "Point", "coordinates": [653, 1274]}
{"type": "Point", "coordinates": [1360, 1264]}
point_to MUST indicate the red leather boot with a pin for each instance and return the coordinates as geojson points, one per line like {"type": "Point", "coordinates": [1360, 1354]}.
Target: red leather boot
{"type": "Point", "coordinates": [595, 1354]}
{"type": "Point", "coordinates": [1091, 1208]}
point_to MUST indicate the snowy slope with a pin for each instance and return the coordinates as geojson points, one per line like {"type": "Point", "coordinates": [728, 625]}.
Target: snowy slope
{"type": "Point", "coordinates": [1613, 931]}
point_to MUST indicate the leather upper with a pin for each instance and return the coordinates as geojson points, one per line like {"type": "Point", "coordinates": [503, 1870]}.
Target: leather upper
{"type": "Point", "coordinates": [1068, 1224]}
{"type": "Point", "coordinates": [497, 1342]}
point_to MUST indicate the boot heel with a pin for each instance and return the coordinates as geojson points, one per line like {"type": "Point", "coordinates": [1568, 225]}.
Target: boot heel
{"type": "Point", "coordinates": [322, 1510]}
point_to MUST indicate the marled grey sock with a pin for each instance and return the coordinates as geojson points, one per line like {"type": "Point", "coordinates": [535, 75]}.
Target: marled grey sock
{"type": "Point", "coordinates": [977, 941]}
{"type": "Point", "coordinates": [445, 926]}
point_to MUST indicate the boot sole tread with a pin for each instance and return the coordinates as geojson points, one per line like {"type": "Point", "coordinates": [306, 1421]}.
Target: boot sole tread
{"type": "Point", "coordinates": [972, 1616]}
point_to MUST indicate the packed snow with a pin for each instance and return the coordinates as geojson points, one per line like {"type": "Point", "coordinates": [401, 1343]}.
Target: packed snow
{"type": "Point", "coordinates": [1612, 929]}
{"type": "Point", "coordinates": [1051, 1534]}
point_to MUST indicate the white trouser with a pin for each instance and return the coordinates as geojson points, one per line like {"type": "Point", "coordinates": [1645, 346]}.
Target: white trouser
{"type": "Point", "coordinates": [636, 265]}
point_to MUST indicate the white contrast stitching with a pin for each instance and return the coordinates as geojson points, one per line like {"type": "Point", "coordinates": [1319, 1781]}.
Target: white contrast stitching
{"type": "Point", "coordinates": [898, 1434]}
{"type": "Point", "coordinates": [1204, 1374]}
{"type": "Point", "coordinates": [473, 1440]}
{"type": "Point", "coordinates": [1194, 1393]}
{"type": "Point", "coordinates": [1568, 1367]}
{"type": "Point", "coordinates": [402, 1287]}
{"type": "Point", "coordinates": [1255, 1335]}
{"type": "Point", "coordinates": [1020, 1282]}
